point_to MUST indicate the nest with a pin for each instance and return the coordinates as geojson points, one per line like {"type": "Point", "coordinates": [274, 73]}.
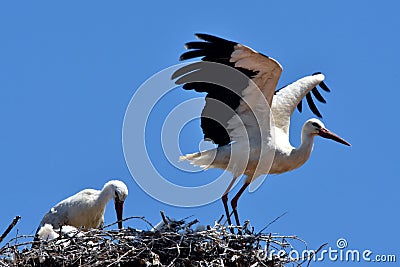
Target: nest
{"type": "Point", "coordinates": [170, 243]}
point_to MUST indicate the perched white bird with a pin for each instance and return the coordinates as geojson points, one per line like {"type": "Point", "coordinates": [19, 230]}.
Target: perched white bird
{"type": "Point", "coordinates": [86, 208]}
{"type": "Point", "coordinates": [46, 232]}
{"type": "Point", "coordinates": [250, 118]}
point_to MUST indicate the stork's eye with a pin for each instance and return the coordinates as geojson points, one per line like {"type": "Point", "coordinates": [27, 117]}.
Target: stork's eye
{"type": "Point", "coordinates": [316, 125]}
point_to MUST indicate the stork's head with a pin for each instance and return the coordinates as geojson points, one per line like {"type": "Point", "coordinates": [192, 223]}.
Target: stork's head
{"type": "Point", "coordinates": [119, 192]}
{"type": "Point", "coordinates": [316, 127]}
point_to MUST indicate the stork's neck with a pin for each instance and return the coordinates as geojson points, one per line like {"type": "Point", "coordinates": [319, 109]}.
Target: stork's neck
{"type": "Point", "coordinates": [301, 154]}
{"type": "Point", "coordinates": [105, 195]}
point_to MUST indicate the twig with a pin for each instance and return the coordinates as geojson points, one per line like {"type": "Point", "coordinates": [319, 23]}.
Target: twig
{"type": "Point", "coordinates": [220, 219]}
{"type": "Point", "coordinates": [277, 218]}
{"type": "Point", "coordinates": [9, 228]}
{"type": "Point", "coordinates": [177, 256]}
{"type": "Point", "coordinates": [190, 224]}
{"type": "Point", "coordinates": [119, 259]}
{"type": "Point", "coordinates": [164, 218]}
{"type": "Point", "coordinates": [128, 218]}
{"type": "Point", "coordinates": [3, 264]}
{"type": "Point", "coordinates": [316, 252]}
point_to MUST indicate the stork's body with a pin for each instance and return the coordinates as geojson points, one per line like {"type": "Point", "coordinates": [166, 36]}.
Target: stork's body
{"type": "Point", "coordinates": [250, 122]}
{"type": "Point", "coordinates": [86, 208]}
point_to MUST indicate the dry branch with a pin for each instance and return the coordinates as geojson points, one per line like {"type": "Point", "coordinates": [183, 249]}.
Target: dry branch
{"type": "Point", "coordinates": [9, 228]}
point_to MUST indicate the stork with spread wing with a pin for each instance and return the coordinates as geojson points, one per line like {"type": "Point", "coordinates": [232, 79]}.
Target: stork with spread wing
{"type": "Point", "coordinates": [228, 111]}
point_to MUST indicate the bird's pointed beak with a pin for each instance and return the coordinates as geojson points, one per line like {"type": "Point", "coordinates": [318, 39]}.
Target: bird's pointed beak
{"type": "Point", "coordinates": [119, 208]}
{"type": "Point", "coordinates": [325, 133]}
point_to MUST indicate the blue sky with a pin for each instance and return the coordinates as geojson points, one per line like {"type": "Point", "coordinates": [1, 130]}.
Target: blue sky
{"type": "Point", "coordinates": [69, 70]}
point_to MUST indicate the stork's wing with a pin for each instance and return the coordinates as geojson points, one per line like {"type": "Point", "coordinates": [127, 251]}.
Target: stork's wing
{"type": "Point", "coordinates": [289, 97]}
{"type": "Point", "coordinates": [222, 104]}
{"type": "Point", "coordinates": [56, 217]}
{"type": "Point", "coordinates": [66, 209]}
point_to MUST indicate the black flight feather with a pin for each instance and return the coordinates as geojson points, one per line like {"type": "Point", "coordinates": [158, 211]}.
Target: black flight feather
{"type": "Point", "coordinates": [192, 54]}
{"type": "Point", "coordinates": [312, 105]}
{"type": "Point", "coordinates": [324, 87]}
{"type": "Point", "coordinates": [300, 106]}
{"type": "Point", "coordinates": [213, 39]}
{"type": "Point", "coordinates": [317, 95]}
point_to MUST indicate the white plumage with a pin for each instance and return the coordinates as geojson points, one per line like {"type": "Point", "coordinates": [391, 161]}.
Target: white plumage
{"type": "Point", "coordinates": [86, 208]}
{"type": "Point", "coordinates": [47, 232]}
{"type": "Point", "coordinates": [252, 134]}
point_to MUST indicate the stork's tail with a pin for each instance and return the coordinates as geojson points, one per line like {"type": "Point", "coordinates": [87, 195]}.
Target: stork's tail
{"type": "Point", "coordinates": [202, 159]}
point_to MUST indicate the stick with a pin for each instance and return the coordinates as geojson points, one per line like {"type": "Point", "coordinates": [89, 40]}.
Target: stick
{"type": "Point", "coordinates": [220, 219]}
{"type": "Point", "coordinates": [164, 218]}
{"type": "Point", "coordinates": [9, 228]}
{"type": "Point", "coordinates": [277, 218]}
{"type": "Point", "coordinates": [315, 253]}
{"type": "Point", "coordinates": [132, 217]}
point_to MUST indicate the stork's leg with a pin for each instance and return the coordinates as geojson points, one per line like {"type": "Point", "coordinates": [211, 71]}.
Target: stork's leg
{"type": "Point", "coordinates": [225, 201]}
{"type": "Point", "coordinates": [235, 200]}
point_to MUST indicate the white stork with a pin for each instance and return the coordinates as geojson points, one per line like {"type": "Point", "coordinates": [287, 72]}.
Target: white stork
{"type": "Point", "coordinates": [225, 107]}
{"type": "Point", "coordinates": [86, 208]}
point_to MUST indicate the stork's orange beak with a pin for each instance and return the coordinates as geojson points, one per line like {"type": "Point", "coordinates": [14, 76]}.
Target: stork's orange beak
{"type": "Point", "coordinates": [119, 208]}
{"type": "Point", "coordinates": [325, 133]}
